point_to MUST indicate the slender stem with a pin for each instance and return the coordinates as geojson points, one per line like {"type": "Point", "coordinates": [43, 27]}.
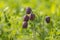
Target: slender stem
{"type": "Point", "coordinates": [34, 32]}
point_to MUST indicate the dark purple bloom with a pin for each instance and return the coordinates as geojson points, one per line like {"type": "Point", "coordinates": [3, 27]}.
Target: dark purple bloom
{"type": "Point", "coordinates": [26, 18]}
{"type": "Point", "coordinates": [48, 19]}
{"type": "Point", "coordinates": [25, 24]}
{"type": "Point", "coordinates": [32, 16]}
{"type": "Point", "coordinates": [28, 10]}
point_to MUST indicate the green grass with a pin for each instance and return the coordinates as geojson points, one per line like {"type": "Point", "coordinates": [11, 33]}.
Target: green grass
{"type": "Point", "coordinates": [11, 19]}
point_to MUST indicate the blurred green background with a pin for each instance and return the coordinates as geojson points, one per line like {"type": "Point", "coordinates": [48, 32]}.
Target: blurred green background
{"type": "Point", "coordinates": [11, 19]}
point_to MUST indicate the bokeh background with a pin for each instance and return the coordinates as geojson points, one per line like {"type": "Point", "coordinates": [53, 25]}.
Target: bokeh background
{"type": "Point", "coordinates": [11, 19]}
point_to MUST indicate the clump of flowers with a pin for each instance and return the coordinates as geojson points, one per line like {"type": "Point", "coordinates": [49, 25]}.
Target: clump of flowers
{"type": "Point", "coordinates": [27, 17]}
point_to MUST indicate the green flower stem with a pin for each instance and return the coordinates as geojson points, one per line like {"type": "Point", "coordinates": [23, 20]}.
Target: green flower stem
{"type": "Point", "coordinates": [33, 30]}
